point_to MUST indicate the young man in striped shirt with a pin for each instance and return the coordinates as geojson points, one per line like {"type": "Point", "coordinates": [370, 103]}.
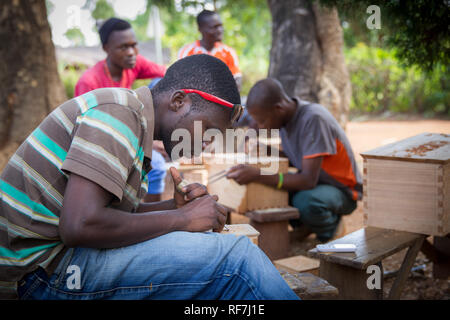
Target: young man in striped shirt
{"type": "Point", "coordinates": [71, 222]}
{"type": "Point", "coordinates": [211, 28]}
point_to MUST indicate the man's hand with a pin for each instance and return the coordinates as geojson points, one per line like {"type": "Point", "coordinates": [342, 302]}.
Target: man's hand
{"type": "Point", "coordinates": [204, 213]}
{"type": "Point", "coordinates": [188, 193]}
{"type": "Point", "coordinates": [244, 174]}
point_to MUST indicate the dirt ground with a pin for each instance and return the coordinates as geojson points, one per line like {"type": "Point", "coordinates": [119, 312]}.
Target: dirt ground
{"type": "Point", "coordinates": [367, 135]}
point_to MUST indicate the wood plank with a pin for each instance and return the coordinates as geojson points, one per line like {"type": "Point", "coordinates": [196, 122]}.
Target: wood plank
{"type": "Point", "coordinates": [298, 264]}
{"type": "Point", "coordinates": [351, 282]}
{"type": "Point", "coordinates": [309, 287]}
{"type": "Point", "coordinates": [425, 147]}
{"type": "Point", "coordinates": [246, 197]}
{"type": "Point", "coordinates": [274, 238]}
{"type": "Point", "coordinates": [372, 245]}
{"type": "Point", "coordinates": [273, 214]}
{"type": "Point", "coordinates": [242, 230]}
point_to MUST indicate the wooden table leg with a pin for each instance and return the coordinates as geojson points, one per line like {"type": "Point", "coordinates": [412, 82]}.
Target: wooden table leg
{"type": "Point", "coordinates": [351, 282]}
{"type": "Point", "coordinates": [407, 264]}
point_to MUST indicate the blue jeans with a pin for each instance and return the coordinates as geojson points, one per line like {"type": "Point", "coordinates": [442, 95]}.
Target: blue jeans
{"type": "Point", "coordinates": [321, 209]}
{"type": "Point", "coordinates": [178, 265]}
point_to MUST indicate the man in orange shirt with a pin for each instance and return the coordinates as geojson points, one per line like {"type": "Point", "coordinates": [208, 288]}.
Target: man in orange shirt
{"type": "Point", "coordinates": [328, 183]}
{"type": "Point", "coordinates": [211, 28]}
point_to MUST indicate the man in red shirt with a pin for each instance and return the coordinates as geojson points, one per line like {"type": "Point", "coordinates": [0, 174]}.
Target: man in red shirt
{"type": "Point", "coordinates": [123, 65]}
{"type": "Point", "coordinates": [211, 28]}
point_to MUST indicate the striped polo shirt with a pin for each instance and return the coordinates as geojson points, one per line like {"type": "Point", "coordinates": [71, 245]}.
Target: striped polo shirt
{"type": "Point", "coordinates": [103, 136]}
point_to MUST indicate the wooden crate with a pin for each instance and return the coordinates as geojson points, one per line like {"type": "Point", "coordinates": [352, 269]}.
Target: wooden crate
{"type": "Point", "coordinates": [407, 185]}
{"type": "Point", "coordinates": [243, 198]}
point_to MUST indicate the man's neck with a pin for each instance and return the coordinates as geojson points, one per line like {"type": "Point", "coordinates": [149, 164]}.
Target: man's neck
{"type": "Point", "coordinates": [291, 107]}
{"type": "Point", "coordinates": [114, 70]}
{"type": "Point", "coordinates": [158, 115]}
{"type": "Point", "coordinates": [207, 45]}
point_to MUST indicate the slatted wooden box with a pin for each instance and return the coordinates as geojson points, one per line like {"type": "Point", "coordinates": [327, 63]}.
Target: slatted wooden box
{"type": "Point", "coordinates": [254, 196]}
{"type": "Point", "coordinates": [407, 185]}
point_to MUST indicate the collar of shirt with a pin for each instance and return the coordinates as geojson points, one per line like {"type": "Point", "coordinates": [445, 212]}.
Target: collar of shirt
{"type": "Point", "coordinates": [145, 96]}
{"type": "Point", "coordinates": [217, 47]}
{"type": "Point", "coordinates": [293, 120]}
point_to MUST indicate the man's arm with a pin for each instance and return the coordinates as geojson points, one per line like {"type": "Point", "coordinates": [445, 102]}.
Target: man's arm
{"type": "Point", "coordinates": [82, 87]}
{"type": "Point", "coordinates": [87, 220]}
{"type": "Point", "coordinates": [147, 69]}
{"type": "Point", "coordinates": [305, 180]}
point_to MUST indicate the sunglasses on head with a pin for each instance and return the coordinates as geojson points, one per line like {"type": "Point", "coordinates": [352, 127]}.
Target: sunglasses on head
{"type": "Point", "coordinates": [237, 109]}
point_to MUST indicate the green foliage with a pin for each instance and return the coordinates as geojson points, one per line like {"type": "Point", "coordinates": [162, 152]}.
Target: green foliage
{"type": "Point", "coordinates": [247, 26]}
{"type": "Point", "coordinates": [383, 78]}
{"type": "Point", "coordinates": [75, 36]}
{"type": "Point", "coordinates": [418, 30]}
{"type": "Point", "coordinates": [69, 75]}
{"type": "Point", "coordinates": [103, 10]}
{"type": "Point", "coordinates": [380, 83]}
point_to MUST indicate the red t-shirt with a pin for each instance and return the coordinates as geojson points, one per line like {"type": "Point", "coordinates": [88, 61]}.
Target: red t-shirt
{"type": "Point", "coordinates": [97, 77]}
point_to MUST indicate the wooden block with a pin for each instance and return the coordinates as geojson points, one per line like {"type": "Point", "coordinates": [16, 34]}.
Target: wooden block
{"type": "Point", "coordinates": [242, 230]}
{"type": "Point", "coordinates": [372, 245]}
{"type": "Point", "coordinates": [274, 238]}
{"type": "Point", "coordinates": [246, 197]}
{"type": "Point", "coordinates": [196, 175]}
{"type": "Point", "coordinates": [273, 214]}
{"type": "Point", "coordinates": [309, 287]}
{"type": "Point", "coordinates": [407, 185]}
{"type": "Point", "coordinates": [190, 172]}
{"type": "Point", "coordinates": [298, 264]}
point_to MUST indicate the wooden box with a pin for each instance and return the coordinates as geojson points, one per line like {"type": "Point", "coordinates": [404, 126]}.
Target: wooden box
{"type": "Point", "coordinates": [407, 185]}
{"type": "Point", "coordinates": [243, 198]}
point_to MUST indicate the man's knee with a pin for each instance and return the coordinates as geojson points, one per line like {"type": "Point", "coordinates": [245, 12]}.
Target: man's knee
{"type": "Point", "coordinates": [308, 202]}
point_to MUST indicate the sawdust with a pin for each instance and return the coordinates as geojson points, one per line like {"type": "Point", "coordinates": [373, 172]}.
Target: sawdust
{"type": "Point", "coordinates": [423, 149]}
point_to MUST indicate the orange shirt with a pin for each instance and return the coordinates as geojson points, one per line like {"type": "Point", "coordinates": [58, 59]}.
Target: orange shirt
{"type": "Point", "coordinates": [220, 51]}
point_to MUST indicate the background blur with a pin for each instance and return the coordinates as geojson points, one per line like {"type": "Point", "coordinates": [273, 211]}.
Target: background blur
{"type": "Point", "coordinates": [382, 84]}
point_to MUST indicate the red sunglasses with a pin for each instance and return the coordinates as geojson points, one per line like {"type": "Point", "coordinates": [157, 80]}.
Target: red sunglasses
{"type": "Point", "coordinates": [237, 109]}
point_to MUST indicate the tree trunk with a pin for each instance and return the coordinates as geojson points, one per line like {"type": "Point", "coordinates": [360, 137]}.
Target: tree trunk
{"type": "Point", "coordinates": [30, 84]}
{"type": "Point", "coordinates": [307, 55]}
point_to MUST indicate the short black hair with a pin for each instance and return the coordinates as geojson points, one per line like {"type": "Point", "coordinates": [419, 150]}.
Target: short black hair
{"type": "Point", "coordinates": [202, 72]}
{"type": "Point", "coordinates": [110, 25]}
{"type": "Point", "coordinates": [270, 91]}
{"type": "Point", "coordinates": [202, 16]}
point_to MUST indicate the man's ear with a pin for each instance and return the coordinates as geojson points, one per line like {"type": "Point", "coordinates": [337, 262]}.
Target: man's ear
{"type": "Point", "coordinates": [105, 47]}
{"type": "Point", "coordinates": [179, 100]}
{"type": "Point", "coordinates": [278, 107]}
